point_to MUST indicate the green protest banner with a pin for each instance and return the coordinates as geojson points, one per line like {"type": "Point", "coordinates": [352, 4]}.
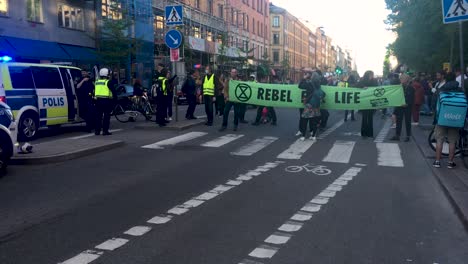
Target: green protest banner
{"type": "Point", "coordinates": [340, 98]}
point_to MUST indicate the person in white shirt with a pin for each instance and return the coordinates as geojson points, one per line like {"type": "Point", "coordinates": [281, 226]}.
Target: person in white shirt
{"type": "Point", "coordinates": [458, 72]}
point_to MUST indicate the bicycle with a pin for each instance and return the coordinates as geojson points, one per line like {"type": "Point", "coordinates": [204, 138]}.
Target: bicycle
{"type": "Point", "coordinates": [129, 109]}
{"type": "Point", "coordinates": [461, 148]}
{"type": "Point", "coordinates": [316, 169]}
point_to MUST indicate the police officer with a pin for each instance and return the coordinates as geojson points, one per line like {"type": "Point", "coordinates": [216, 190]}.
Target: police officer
{"type": "Point", "coordinates": [210, 87]}
{"type": "Point", "coordinates": [104, 91]}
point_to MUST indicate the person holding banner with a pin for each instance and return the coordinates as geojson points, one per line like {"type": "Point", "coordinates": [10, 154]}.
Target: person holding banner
{"type": "Point", "coordinates": [305, 84]}
{"type": "Point", "coordinates": [367, 125]}
{"type": "Point", "coordinates": [229, 104]}
{"type": "Point", "coordinates": [404, 111]}
{"type": "Point", "coordinates": [311, 113]}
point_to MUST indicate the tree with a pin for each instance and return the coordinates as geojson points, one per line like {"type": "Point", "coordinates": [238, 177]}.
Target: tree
{"type": "Point", "coordinates": [386, 65]}
{"type": "Point", "coordinates": [117, 47]}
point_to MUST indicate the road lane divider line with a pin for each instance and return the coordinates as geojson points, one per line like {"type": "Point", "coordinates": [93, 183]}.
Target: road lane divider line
{"type": "Point", "coordinates": [254, 146]}
{"type": "Point", "coordinates": [383, 132]}
{"type": "Point", "coordinates": [93, 135]}
{"type": "Point", "coordinates": [137, 231]}
{"type": "Point", "coordinates": [221, 141]}
{"type": "Point", "coordinates": [389, 155]}
{"type": "Point", "coordinates": [340, 152]}
{"type": "Point", "coordinates": [295, 223]}
{"type": "Point", "coordinates": [175, 140]}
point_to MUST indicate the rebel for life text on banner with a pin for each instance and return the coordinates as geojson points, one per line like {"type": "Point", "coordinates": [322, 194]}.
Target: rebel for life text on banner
{"type": "Point", "coordinates": [340, 98]}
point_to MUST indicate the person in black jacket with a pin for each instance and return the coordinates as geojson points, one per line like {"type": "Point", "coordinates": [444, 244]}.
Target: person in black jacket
{"type": "Point", "coordinates": [404, 111]}
{"type": "Point", "coordinates": [307, 86]}
{"type": "Point", "coordinates": [367, 125]}
{"type": "Point", "coordinates": [189, 88]}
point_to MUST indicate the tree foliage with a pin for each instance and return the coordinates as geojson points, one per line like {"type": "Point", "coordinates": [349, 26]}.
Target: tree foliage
{"type": "Point", "coordinates": [423, 41]}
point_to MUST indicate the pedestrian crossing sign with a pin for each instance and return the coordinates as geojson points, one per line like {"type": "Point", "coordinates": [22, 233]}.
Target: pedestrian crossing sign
{"type": "Point", "coordinates": [174, 15]}
{"type": "Point", "coordinates": [454, 10]}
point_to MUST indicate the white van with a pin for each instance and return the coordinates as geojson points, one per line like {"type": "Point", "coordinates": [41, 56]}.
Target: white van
{"type": "Point", "coordinates": [39, 95]}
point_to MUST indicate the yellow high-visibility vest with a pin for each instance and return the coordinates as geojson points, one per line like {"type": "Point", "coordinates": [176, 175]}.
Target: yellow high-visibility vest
{"type": "Point", "coordinates": [343, 84]}
{"type": "Point", "coordinates": [209, 86]}
{"type": "Point", "coordinates": [163, 84]}
{"type": "Point", "coordinates": [101, 90]}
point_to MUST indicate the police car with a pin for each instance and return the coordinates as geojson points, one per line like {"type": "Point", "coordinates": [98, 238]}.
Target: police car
{"type": "Point", "coordinates": [7, 136]}
{"type": "Point", "coordinates": [39, 95]}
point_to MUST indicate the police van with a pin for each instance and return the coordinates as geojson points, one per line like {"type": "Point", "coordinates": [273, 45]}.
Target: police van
{"type": "Point", "coordinates": [40, 95]}
{"type": "Point", "coordinates": [7, 136]}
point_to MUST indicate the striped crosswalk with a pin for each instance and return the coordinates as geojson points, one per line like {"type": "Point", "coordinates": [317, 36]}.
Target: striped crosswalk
{"type": "Point", "coordinates": [339, 151]}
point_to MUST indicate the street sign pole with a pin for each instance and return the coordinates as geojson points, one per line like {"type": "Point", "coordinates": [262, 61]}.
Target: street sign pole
{"type": "Point", "coordinates": [175, 93]}
{"type": "Point", "coordinates": [462, 63]}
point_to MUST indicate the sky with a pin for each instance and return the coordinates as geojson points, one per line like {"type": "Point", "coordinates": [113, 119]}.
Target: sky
{"type": "Point", "coordinates": [357, 25]}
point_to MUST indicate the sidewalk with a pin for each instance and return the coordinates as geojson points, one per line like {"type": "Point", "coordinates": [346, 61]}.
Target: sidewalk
{"type": "Point", "coordinates": [65, 149]}
{"type": "Point", "coordinates": [182, 124]}
{"type": "Point", "coordinates": [453, 181]}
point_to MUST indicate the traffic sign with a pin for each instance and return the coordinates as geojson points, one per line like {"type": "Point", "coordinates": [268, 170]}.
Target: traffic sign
{"type": "Point", "coordinates": [173, 39]}
{"type": "Point", "coordinates": [174, 15]}
{"type": "Point", "coordinates": [454, 10]}
{"type": "Point", "coordinates": [175, 55]}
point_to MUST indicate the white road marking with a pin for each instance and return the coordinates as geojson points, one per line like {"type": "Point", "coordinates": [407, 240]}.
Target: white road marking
{"type": "Point", "coordinates": [138, 230]}
{"type": "Point", "coordinates": [302, 216]}
{"type": "Point", "coordinates": [311, 208]}
{"type": "Point", "coordinates": [296, 150]}
{"type": "Point", "coordinates": [222, 188]}
{"type": "Point", "coordinates": [221, 141]}
{"type": "Point", "coordinates": [159, 220]}
{"type": "Point", "coordinates": [340, 182]}
{"type": "Point", "coordinates": [207, 196]}
{"type": "Point", "coordinates": [384, 132]}
{"type": "Point", "coordinates": [92, 134]}
{"type": "Point", "coordinates": [291, 226]}
{"type": "Point", "coordinates": [360, 165]}
{"type": "Point", "coordinates": [253, 173]}
{"type": "Point", "coordinates": [278, 238]}
{"type": "Point", "coordinates": [248, 261]}
{"type": "Point", "coordinates": [389, 155]}
{"type": "Point", "coordinates": [320, 200]}
{"type": "Point", "coordinates": [261, 169]}
{"type": "Point", "coordinates": [193, 203]}
{"type": "Point", "coordinates": [244, 178]}
{"type": "Point", "coordinates": [331, 129]}
{"type": "Point", "coordinates": [112, 244]}
{"type": "Point", "coordinates": [327, 193]}
{"type": "Point", "coordinates": [334, 188]}
{"type": "Point", "coordinates": [254, 146]}
{"type": "Point", "coordinates": [234, 182]}
{"type": "Point", "coordinates": [340, 152]}
{"type": "Point", "coordinates": [200, 117]}
{"type": "Point", "coordinates": [85, 257]}
{"type": "Point", "coordinates": [178, 210]}
{"type": "Point", "coordinates": [263, 252]}
{"type": "Point", "coordinates": [175, 140]}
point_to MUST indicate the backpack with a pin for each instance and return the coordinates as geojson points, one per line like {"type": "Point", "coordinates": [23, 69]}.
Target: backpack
{"type": "Point", "coordinates": [451, 109]}
{"type": "Point", "coordinates": [156, 88]}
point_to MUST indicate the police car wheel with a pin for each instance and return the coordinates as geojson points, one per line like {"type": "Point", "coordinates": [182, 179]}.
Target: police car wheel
{"type": "Point", "coordinates": [28, 127]}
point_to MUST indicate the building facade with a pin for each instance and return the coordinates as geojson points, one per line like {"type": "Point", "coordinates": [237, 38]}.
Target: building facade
{"type": "Point", "coordinates": [48, 31]}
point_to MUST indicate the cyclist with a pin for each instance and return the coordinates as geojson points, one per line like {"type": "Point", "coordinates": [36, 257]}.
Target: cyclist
{"type": "Point", "coordinates": [140, 95]}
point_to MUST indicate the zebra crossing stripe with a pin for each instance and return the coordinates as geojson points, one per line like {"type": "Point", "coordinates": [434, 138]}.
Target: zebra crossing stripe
{"type": "Point", "coordinates": [340, 152]}
{"type": "Point", "coordinates": [389, 155]}
{"type": "Point", "coordinates": [296, 150]}
{"type": "Point", "coordinates": [254, 146]}
{"type": "Point", "coordinates": [175, 140]}
{"type": "Point", "coordinates": [384, 132]}
{"type": "Point", "coordinates": [221, 141]}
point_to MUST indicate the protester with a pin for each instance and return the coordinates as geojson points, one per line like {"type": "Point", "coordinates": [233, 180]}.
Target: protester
{"type": "Point", "coordinates": [210, 88]}
{"type": "Point", "coordinates": [189, 88]}
{"type": "Point", "coordinates": [348, 82]}
{"type": "Point", "coordinates": [404, 111]}
{"type": "Point", "coordinates": [307, 86]}
{"type": "Point", "coordinates": [85, 89]}
{"type": "Point", "coordinates": [418, 99]}
{"type": "Point", "coordinates": [367, 126]}
{"type": "Point", "coordinates": [230, 104]}
{"type": "Point", "coordinates": [311, 113]}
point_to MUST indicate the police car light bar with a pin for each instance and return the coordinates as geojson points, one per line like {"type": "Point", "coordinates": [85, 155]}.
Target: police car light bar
{"type": "Point", "coordinates": [5, 58]}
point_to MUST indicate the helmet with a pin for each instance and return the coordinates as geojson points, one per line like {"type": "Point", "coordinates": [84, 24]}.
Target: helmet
{"type": "Point", "coordinates": [104, 72]}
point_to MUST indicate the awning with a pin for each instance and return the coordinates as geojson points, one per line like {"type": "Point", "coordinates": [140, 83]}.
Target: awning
{"type": "Point", "coordinates": [36, 49]}
{"type": "Point", "coordinates": [78, 53]}
{"type": "Point", "coordinates": [5, 48]}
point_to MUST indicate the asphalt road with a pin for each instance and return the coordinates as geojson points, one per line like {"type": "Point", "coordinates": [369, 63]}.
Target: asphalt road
{"type": "Point", "coordinates": [233, 197]}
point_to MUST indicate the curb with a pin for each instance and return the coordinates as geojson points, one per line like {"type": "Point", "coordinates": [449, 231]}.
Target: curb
{"type": "Point", "coordinates": [18, 160]}
{"type": "Point", "coordinates": [447, 189]}
{"type": "Point", "coordinates": [154, 126]}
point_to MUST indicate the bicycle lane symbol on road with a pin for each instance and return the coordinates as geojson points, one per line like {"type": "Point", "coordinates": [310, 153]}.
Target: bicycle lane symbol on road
{"type": "Point", "coordinates": [315, 169]}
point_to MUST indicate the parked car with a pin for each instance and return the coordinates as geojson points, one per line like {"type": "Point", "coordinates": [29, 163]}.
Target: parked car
{"type": "Point", "coordinates": [8, 134]}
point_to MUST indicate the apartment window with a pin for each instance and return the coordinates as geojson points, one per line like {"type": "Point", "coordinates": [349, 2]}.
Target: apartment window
{"type": "Point", "coordinates": [276, 56]}
{"type": "Point", "coordinates": [258, 28]}
{"type": "Point", "coordinates": [34, 10]}
{"type": "Point", "coordinates": [276, 21]}
{"type": "Point", "coordinates": [159, 22]}
{"type": "Point", "coordinates": [70, 17]}
{"type": "Point", "coordinates": [276, 38]}
{"type": "Point", "coordinates": [210, 7]}
{"type": "Point", "coordinates": [247, 22]}
{"type": "Point", "coordinates": [253, 25]}
{"type": "Point", "coordinates": [197, 4]}
{"type": "Point", "coordinates": [209, 36]}
{"type": "Point", "coordinates": [196, 32]}
{"type": "Point", "coordinates": [111, 9]}
{"type": "Point", "coordinates": [3, 7]}
{"type": "Point", "coordinates": [253, 4]}
{"type": "Point", "coordinates": [221, 11]}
